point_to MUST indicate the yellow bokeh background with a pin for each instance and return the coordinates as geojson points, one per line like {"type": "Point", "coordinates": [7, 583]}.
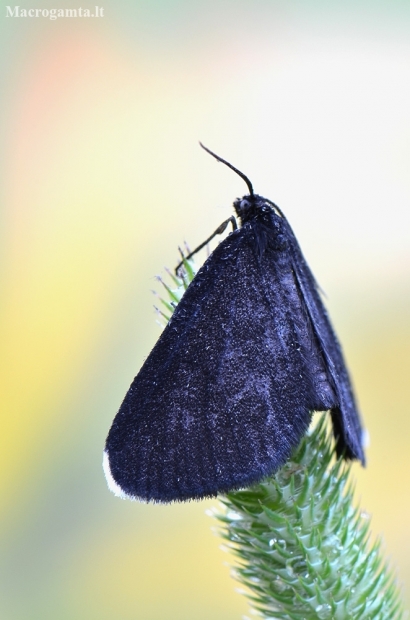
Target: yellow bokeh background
{"type": "Point", "coordinates": [102, 179]}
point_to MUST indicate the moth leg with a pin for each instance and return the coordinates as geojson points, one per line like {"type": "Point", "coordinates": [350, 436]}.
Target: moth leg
{"type": "Point", "coordinates": [218, 231]}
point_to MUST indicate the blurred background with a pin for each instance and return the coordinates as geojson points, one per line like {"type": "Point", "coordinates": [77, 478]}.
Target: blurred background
{"type": "Point", "coordinates": [101, 179]}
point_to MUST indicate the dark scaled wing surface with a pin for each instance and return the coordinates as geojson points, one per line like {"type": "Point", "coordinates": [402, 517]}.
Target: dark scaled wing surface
{"type": "Point", "coordinates": [228, 389]}
{"type": "Point", "coordinates": [345, 416]}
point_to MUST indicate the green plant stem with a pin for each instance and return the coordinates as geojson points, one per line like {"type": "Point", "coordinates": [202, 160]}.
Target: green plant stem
{"type": "Point", "coordinates": [303, 549]}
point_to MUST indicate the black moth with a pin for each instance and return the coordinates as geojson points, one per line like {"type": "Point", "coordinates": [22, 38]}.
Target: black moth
{"type": "Point", "coordinates": [229, 389]}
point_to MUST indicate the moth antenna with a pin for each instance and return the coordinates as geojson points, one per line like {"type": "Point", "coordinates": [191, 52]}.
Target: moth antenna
{"type": "Point", "coordinates": [223, 161]}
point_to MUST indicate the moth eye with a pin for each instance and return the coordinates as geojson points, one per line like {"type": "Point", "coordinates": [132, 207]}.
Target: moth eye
{"type": "Point", "coordinates": [244, 204]}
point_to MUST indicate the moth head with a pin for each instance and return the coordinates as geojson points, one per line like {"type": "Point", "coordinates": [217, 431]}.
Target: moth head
{"type": "Point", "coordinates": [251, 206]}
{"type": "Point", "coordinates": [244, 207]}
